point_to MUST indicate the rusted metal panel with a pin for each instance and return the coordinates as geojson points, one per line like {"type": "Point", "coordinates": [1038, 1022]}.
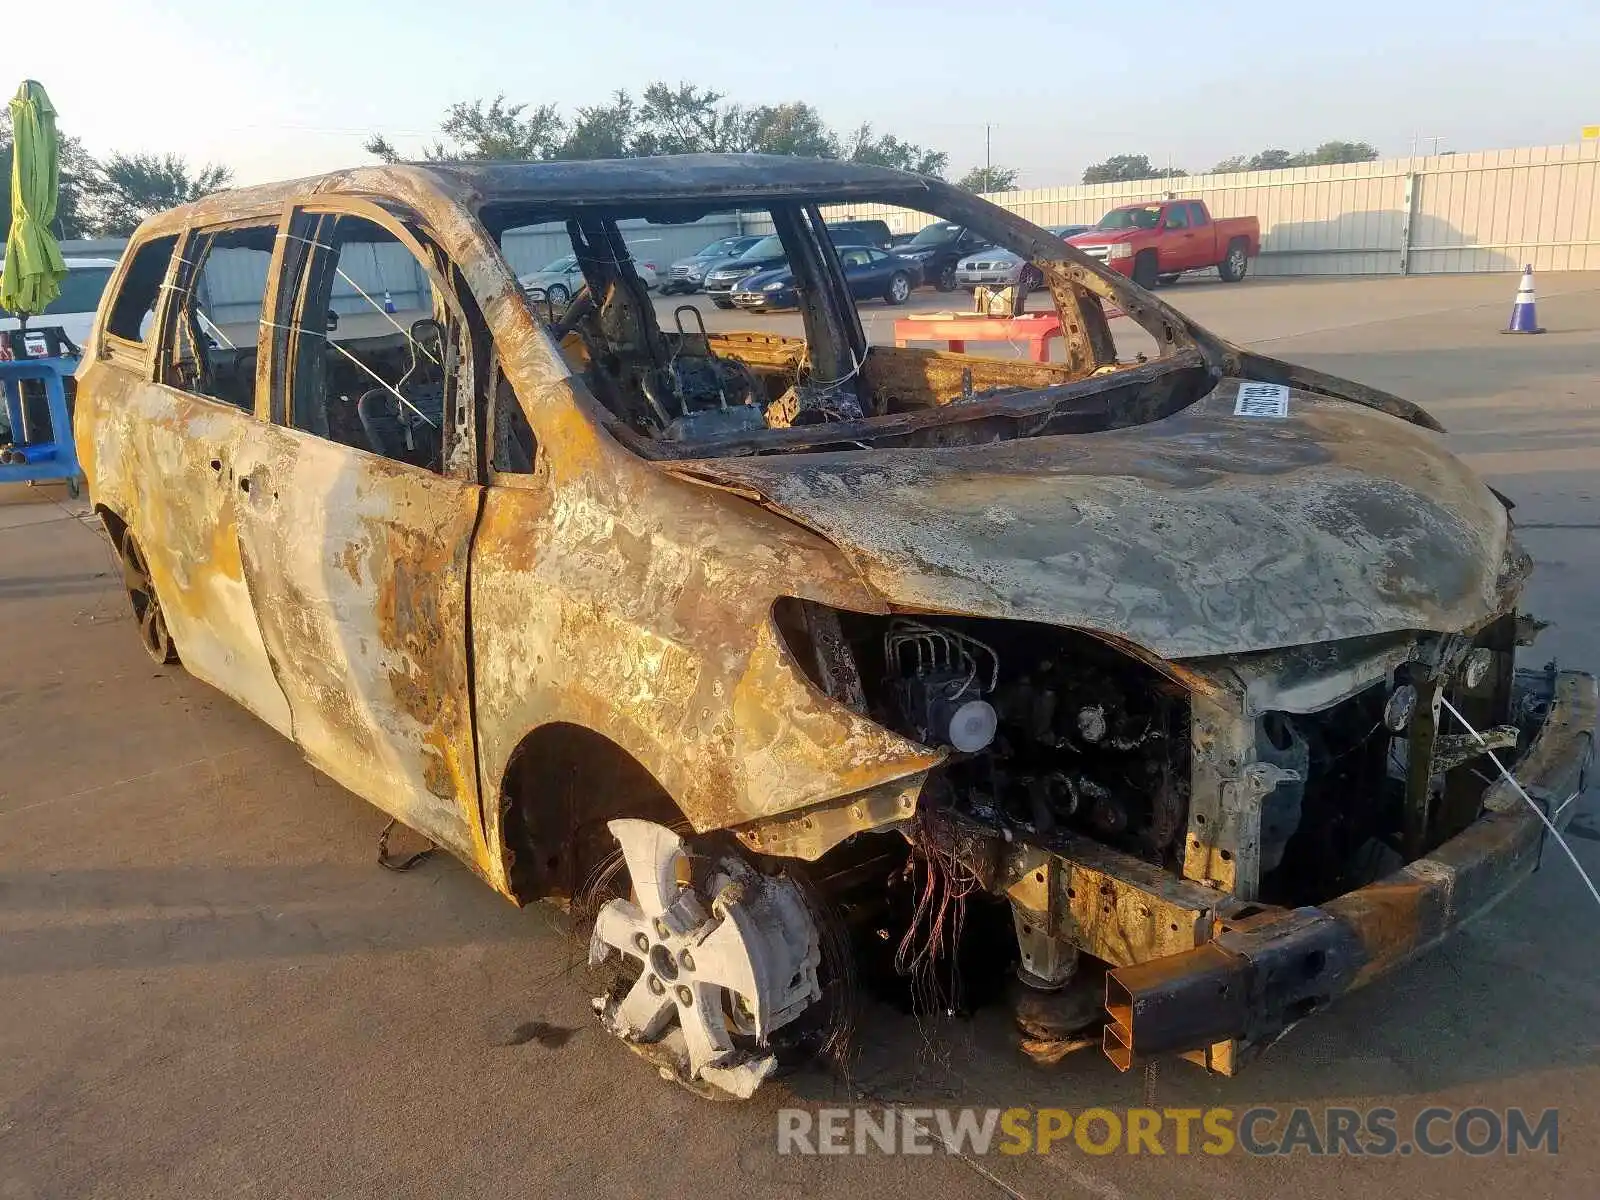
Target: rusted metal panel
{"type": "Point", "coordinates": [358, 569]}
{"type": "Point", "coordinates": [1222, 847]}
{"type": "Point", "coordinates": [1264, 972]}
{"type": "Point", "coordinates": [1107, 904]}
{"type": "Point", "coordinates": [1204, 533]}
{"type": "Point", "coordinates": [641, 609]}
{"type": "Point", "coordinates": [157, 458]}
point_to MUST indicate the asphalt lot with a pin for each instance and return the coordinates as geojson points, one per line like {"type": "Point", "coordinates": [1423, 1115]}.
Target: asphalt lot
{"type": "Point", "coordinates": [208, 988]}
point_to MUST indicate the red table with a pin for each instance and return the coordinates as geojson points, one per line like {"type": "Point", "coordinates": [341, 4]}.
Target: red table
{"type": "Point", "coordinates": [1036, 329]}
{"type": "Point", "coordinates": [957, 329]}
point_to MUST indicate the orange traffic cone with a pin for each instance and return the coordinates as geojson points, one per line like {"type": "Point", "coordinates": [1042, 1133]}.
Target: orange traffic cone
{"type": "Point", "coordinates": [1523, 319]}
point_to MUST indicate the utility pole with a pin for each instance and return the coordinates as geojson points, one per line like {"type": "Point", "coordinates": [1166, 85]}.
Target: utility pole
{"type": "Point", "coordinates": [988, 163]}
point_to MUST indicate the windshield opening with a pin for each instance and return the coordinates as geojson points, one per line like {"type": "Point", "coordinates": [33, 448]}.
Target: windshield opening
{"type": "Point", "coordinates": [1146, 217]}
{"type": "Point", "coordinates": [561, 265]}
{"type": "Point", "coordinates": [936, 234]}
{"type": "Point", "coordinates": [767, 247]}
{"type": "Point", "coordinates": [767, 365]}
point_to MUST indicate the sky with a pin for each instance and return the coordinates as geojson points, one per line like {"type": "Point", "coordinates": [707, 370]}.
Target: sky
{"type": "Point", "coordinates": [294, 87]}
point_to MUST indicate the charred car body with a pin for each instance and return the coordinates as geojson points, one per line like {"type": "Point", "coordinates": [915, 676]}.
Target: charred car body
{"type": "Point", "coordinates": [1152, 652]}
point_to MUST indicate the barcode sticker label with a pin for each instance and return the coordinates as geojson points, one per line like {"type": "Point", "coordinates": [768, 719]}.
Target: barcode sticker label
{"type": "Point", "coordinates": [1262, 400]}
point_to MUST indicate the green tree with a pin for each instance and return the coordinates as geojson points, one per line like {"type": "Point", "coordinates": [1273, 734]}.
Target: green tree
{"type": "Point", "coordinates": [498, 132]}
{"type": "Point", "coordinates": [381, 147]}
{"type": "Point", "coordinates": [601, 130]}
{"type": "Point", "coordinates": [666, 118]}
{"type": "Point", "coordinates": [1278, 160]}
{"type": "Point", "coordinates": [688, 120]}
{"type": "Point", "coordinates": [1120, 168]}
{"type": "Point", "coordinates": [863, 146]}
{"type": "Point", "coordinates": [794, 128]}
{"type": "Point", "coordinates": [1342, 152]}
{"type": "Point", "coordinates": [127, 188]}
{"type": "Point", "coordinates": [989, 179]}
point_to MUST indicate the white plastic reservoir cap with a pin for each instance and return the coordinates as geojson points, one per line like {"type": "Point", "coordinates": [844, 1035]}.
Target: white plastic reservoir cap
{"type": "Point", "coordinates": [973, 726]}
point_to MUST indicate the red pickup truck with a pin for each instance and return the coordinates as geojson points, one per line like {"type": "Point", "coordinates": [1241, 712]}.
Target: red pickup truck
{"type": "Point", "coordinates": [1158, 241]}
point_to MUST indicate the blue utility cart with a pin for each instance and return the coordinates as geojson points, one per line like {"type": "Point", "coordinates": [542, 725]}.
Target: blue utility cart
{"type": "Point", "coordinates": [39, 445]}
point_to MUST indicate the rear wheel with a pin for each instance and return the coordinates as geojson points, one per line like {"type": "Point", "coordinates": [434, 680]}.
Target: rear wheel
{"type": "Point", "coordinates": [899, 289]}
{"type": "Point", "coordinates": [153, 631]}
{"type": "Point", "coordinates": [1232, 268]}
{"type": "Point", "coordinates": [1146, 272]}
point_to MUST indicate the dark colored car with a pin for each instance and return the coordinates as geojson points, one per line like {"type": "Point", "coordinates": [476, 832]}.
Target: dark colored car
{"type": "Point", "coordinates": [869, 271]}
{"type": "Point", "coordinates": [765, 255]}
{"type": "Point", "coordinates": [686, 274]}
{"type": "Point", "coordinates": [938, 248]}
{"type": "Point", "coordinates": [873, 232]}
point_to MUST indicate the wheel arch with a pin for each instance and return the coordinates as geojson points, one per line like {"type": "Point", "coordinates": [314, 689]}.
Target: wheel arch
{"type": "Point", "coordinates": [562, 783]}
{"type": "Point", "coordinates": [115, 523]}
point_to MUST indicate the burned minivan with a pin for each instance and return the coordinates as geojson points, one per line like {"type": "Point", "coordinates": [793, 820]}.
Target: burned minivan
{"type": "Point", "coordinates": [1193, 665]}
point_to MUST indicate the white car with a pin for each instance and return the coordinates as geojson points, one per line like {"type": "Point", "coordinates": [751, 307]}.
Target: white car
{"type": "Point", "coordinates": [562, 279]}
{"type": "Point", "coordinates": [997, 267]}
{"type": "Point", "coordinates": [73, 310]}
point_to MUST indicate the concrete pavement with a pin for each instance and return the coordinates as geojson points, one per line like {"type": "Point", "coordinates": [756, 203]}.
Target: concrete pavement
{"type": "Point", "coordinates": [208, 988]}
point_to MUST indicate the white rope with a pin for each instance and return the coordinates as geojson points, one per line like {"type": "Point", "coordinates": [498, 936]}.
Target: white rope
{"type": "Point", "coordinates": [212, 325]}
{"type": "Point", "coordinates": [1537, 811]}
{"type": "Point", "coordinates": [376, 307]}
{"type": "Point", "coordinates": [383, 383]}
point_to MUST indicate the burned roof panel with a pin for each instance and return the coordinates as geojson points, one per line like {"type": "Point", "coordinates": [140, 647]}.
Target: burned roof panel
{"type": "Point", "coordinates": [676, 177]}
{"type": "Point", "coordinates": [699, 180]}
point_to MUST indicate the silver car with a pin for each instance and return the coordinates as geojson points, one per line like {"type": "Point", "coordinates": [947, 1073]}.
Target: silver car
{"type": "Point", "coordinates": [997, 267]}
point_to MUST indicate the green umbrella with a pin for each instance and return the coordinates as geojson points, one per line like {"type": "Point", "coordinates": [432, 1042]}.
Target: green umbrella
{"type": "Point", "coordinates": [34, 270]}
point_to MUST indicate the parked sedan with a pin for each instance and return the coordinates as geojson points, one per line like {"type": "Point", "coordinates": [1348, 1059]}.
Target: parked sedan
{"type": "Point", "coordinates": [870, 272]}
{"type": "Point", "coordinates": [562, 279]}
{"type": "Point", "coordinates": [937, 248]}
{"type": "Point", "coordinates": [766, 255]}
{"type": "Point", "coordinates": [687, 274]}
{"type": "Point", "coordinates": [998, 267]}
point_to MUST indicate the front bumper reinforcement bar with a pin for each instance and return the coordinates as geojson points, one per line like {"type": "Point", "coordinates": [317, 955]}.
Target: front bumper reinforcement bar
{"type": "Point", "coordinates": [1262, 973]}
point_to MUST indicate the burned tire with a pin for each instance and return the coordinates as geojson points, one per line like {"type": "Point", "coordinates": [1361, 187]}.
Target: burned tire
{"type": "Point", "coordinates": [899, 289]}
{"type": "Point", "coordinates": [1233, 268]}
{"type": "Point", "coordinates": [1146, 271]}
{"type": "Point", "coordinates": [153, 631]}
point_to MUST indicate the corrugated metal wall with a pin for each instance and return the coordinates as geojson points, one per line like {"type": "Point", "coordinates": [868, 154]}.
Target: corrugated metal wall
{"type": "Point", "coordinates": [1445, 213]}
{"type": "Point", "coordinates": [1492, 211]}
{"type": "Point", "coordinates": [530, 248]}
{"type": "Point", "coordinates": [232, 284]}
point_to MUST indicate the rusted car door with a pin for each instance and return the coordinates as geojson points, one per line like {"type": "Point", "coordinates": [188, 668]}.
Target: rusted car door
{"type": "Point", "coordinates": [186, 431]}
{"type": "Point", "coordinates": [358, 563]}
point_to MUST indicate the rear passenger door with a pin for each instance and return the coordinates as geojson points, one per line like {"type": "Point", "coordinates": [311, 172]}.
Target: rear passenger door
{"type": "Point", "coordinates": [857, 264]}
{"type": "Point", "coordinates": [192, 425]}
{"type": "Point", "coordinates": [1177, 241]}
{"type": "Point", "coordinates": [358, 501]}
{"type": "Point", "coordinates": [1206, 253]}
